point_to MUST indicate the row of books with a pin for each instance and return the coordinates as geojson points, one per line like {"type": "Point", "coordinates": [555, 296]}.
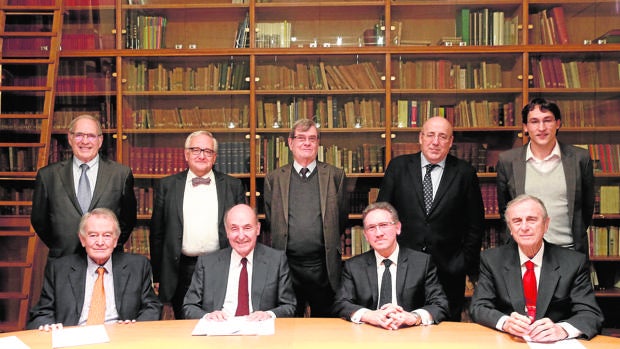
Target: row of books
{"type": "Point", "coordinates": [144, 32]}
{"type": "Point", "coordinates": [549, 27]}
{"type": "Point", "coordinates": [215, 76]}
{"type": "Point", "coordinates": [486, 27]}
{"type": "Point", "coordinates": [222, 117]}
{"type": "Point", "coordinates": [63, 115]}
{"type": "Point", "coordinates": [87, 40]}
{"type": "Point", "coordinates": [413, 113]}
{"type": "Point", "coordinates": [18, 159]}
{"type": "Point", "coordinates": [318, 76]}
{"type": "Point", "coordinates": [13, 193]}
{"type": "Point", "coordinates": [273, 34]}
{"type": "Point", "coordinates": [233, 157]}
{"type": "Point", "coordinates": [605, 157]}
{"type": "Point", "coordinates": [157, 160]}
{"type": "Point", "coordinates": [144, 196]}
{"type": "Point", "coordinates": [589, 113]}
{"type": "Point", "coordinates": [489, 198]}
{"type": "Point", "coordinates": [552, 72]}
{"type": "Point", "coordinates": [242, 37]}
{"type": "Point", "coordinates": [445, 74]}
{"type": "Point", "coordinates": [607, 199]}
{"type": "Point", "coordinates": [366, 158]}
{"type": "Point", "coordinates": [138, 242]}
{"type": "Point", "coordinates": [603, 241]}
{"type": "Point", "coordinates": [327, 112]}
{"type": "Point", "coordinates": [19, 124]}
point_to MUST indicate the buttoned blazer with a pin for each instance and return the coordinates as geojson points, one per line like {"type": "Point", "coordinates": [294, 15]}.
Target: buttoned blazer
{"type": "Point", "coordinates": [166, 230]}
{"type": "Point", "coordinates": [417, 285]}
{"type": "Point", "coordinates": [62, 295]}
{"type": "Point", "coordinates": [56, 212]}
{"type": "Point", "coordinates": [272, 288]}
{"type": "Point", "coordinates": [578, 171]}
{"type": "Point", "coordinates": [452, 232]}
{"type": "Point", "coordinates": [334, 211]}
{"type": "Point", "coordinates": [564, 288]}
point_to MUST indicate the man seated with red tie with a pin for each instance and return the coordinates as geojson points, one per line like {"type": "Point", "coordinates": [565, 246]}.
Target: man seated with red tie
{"type": "Point", "coordinates": [100, 286]}
{"type": "Point", "coordinates": [531, 288]}
{"type": "Point", "coordinates": [245, 279]}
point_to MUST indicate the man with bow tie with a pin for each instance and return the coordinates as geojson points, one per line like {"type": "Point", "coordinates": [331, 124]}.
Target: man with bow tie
{"type": "Point", "coordinates": [188, 216]}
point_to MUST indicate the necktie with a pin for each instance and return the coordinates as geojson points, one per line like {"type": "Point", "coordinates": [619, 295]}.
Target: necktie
{"type": "Point", "coordinates": [385, 294]}
{"type": "Point", "coordinates": [83, 193]}
{"type": "Point", "coordinates": [96, 313]}
{"type": "Point", "coordinates": [243, 298]}
{"type": "Point", "coordinates": [529, 289]}
{"type": "Point", "coordinates": [304, 172]}
{"type": "Point", "coordinates": [196, 181]}
{"type": "Point", "coordinates": [427, 185]}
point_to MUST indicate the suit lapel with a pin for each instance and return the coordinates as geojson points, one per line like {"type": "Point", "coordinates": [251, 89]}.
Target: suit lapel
{"type": "Point", "coordinates": [179, 192]}
{"type": "Point", "coordinates": [259, 275]}
{"type": "Point", "coordinates": [570, 172]}
{"type": "Point", "coordinates": [548, 279]}
{"type": "Point", "coordinates": [401, 275]}
{"type": "Point", "coordinates": [121, 277]}
{"type": "Point", "coordinates": [371, 273]}
{"type": "Point", "coordinates": [518, 169]}
{"type": "Point", "coordinates": [415, 172]}
{"type": "Point", "coordinates": [219, 293]}
{"type": "Point", "coordinates": [221, 193]}
{"type": "Point", "coordinates": [323, 185]}
{"type": "Point", "coordinates": [103, 177]}
{"type": "Point", "coordinates": [513, 279]}
{"type": "Point", "coordinates": [66, 178]}
{"type": "Point", "coordinates": [77, 280]}
{"type": "Point", "coordinates": [285, 183]}
{"type": "Point", "coordinates": [448, 176]}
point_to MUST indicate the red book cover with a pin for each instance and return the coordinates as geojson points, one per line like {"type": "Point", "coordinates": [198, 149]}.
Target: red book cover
{"type": "Point", "coordinates": [557, 14]}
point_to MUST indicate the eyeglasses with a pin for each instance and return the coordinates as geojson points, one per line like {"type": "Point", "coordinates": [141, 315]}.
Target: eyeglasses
{"type": "Point", "coordinates": [79, 136]}
{"type": "Point", "coordinates": [373, 228]}
{"type": "Point", "coordinates": [442, 137]}
{"type": "Point", "coordinates": [196, 151]}
{"type": "Point", "coordinates": [304, 139]}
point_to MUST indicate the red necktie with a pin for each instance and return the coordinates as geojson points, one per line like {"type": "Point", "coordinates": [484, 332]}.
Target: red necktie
{"type": "Point", "coordinates": [243, 304]}
{"type": "Point", "coordinates": [529, 289]}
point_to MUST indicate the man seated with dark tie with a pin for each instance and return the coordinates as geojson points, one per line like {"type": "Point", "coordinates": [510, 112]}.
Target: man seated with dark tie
{"type": "Point", "coordinates": [390, 286]}
{"type": "Point", "coordinates": [100, 286]}
{"type": "Point", "coordinates": [245, 279]}
{"type": "Point", "coordinates": [531, 288]}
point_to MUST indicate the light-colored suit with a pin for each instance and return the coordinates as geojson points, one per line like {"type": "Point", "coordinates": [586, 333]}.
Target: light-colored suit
{"type": "Point", "coordinates": [271, 284]}
{"type": "Point", "coordinates": [62, 296]}
{"type": "Point", "coordinates": [579, 175]}
{"type": "Point", "coordinates": [417, 285]}
{"type": "Point", "coordinates": [564, 288]}
{"type": "Point", "coordinates": [333, 212]}
{"type": "Point", "coordinates": [56, 212]}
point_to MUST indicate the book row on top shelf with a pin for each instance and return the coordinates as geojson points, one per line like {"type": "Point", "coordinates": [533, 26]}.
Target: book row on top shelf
{"type": "Point", "coordinates": [198, 25]}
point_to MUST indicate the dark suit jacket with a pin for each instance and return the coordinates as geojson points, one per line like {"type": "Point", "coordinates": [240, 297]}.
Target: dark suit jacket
{"type": "Point", "coordinates": [56, 212]}
{"type": "Point", "coordinates": [166, 236]}
{"type": "Point", "coordinates": [334, 212]}
{"type": "Point", "coordinates": [579, 185]}
{"type": "Point", "coordinates": [564, 288]}
{"type": "Point", "coordinates": [452, 232]}
{"type": "Point", "coordinates": [272, 288]}
{"type": "Point", "coordinates": [62, 296]}
{"type": "Point", "coordinates": [417, 285]}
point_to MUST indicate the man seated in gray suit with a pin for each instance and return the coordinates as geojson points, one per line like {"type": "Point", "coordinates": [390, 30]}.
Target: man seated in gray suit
{"type": "Point", "coordinates": [390, 286]}
{"type": "Point", "coordinates": [559, 303]}
{"type": "Point", "coordinates": [98, 286]}
{"type": "Point", "coordinates": [247, 278]}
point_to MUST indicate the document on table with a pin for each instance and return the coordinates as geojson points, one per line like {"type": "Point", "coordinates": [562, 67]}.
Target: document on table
{"type": "Point", "coordinates": [12, 342]}
{"type": "Point", "coordinates": [82, 335]}
{"type": "Point", "coordinates": [236, 326]}
{"type": "Point", "coordinates": [565, 344]}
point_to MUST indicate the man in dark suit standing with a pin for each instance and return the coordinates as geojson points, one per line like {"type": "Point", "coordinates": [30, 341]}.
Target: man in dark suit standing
{"type": "Point", "coordinates": [66, 190]}
{"type": "Point", "coordinates": [70, 282]}
{"type": "Point", "coordinates": [216, 289]}
{"type": "Point", "coordinates": [438, 198]}
{"type": "Point", "coordinates": [188, 216]}
{"type": "Point", "coordinates": [306, 212]}
{"type": "Point", "coordinates": [561, 175]}
{"type": "Point", "coordinates": [561, 304]}
{"type": "Point", "coordinates": [390, 286]}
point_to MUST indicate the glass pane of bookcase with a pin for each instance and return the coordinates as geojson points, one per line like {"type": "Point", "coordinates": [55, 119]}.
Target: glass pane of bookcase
{"type": "Point", "coordinates": [27, 35]}
{"type": "Point", "coordinates": [12, 278]}
{"type": "Point", "coordinates": [337, 24]}
{"type": "Point", "coordinates": [13, 248]}
{"type": "Point", "coordinates": [453, 23]}
{"type": "Point", "coordinates": [89, 25]}
{"type": "Point", "coordinates": [184, 24]}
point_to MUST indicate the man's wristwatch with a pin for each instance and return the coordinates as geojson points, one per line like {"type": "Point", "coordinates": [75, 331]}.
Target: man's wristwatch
{"type": "Point", "coordinates": [418, 319]}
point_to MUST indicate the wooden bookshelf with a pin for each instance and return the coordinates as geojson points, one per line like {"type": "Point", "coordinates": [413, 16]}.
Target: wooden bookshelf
{"type": "Point", "coordinates": [347, 64]}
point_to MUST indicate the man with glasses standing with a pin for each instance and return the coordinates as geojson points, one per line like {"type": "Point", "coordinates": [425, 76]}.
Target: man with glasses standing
{"type": "Point", "coordinates": [438, 198]}
{"type": "Point", "coordinates": [188, 217]}
{"type": "Point", "coordinates": [306, 211]}
{"type": "Point", "coordinates": [390, 286]}
{"type": "Point", "coordinates": [66, 190]}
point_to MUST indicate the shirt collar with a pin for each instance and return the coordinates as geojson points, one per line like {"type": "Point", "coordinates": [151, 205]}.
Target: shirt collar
{"type": "Point", "coordinates": [235, 257]}
{"type": "Point", "coordinates": [91, 163]}
{"type": "Point", "coordinates": [311, 166]}
{"type": "Point", "coordinates": [91, 266]}
{"type": "Point", "coordinates": [393, 257]}
{"type": "Point", "coordinates": [191, 175]}
{"type": "Point", "coordinates": [537, 259]}
{"type": "Point", "coordinates": [555, 152]}
{"type": "Point", "coordinates": [425, 162]}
